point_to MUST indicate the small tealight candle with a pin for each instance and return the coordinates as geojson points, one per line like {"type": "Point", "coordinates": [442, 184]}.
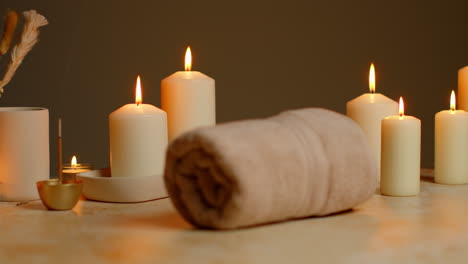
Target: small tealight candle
{"type": "Point", "coordinates": [368, 110]}
{"type": "Point", "coordinates": [69, 171]}
{"type": "Point", "coordinates": [401, 154]}
{"type": "Point", "coordinates": [451, 145]}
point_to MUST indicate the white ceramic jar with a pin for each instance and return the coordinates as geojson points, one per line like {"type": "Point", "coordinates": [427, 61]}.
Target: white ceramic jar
{"type": "Point", "coordinates": [24, 152]}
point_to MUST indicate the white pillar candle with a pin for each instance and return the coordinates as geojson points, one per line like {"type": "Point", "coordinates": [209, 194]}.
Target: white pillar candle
{"type": "Point", "coordinates": [401, 155]}
{"type": "Point", "coordinates": [368, 110]}
{"type": "Point", "coordinates": [451, 145]}
{"type": "Point", "coordinates": [463, 88]}
{"type": "Point", "coordinates": [188, 97]}
{"type": "Point", "coordinates": [138, 139]}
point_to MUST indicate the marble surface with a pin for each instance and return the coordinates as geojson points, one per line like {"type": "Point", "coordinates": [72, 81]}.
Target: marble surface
{"type": "Point", "coordinates": [429, 228]}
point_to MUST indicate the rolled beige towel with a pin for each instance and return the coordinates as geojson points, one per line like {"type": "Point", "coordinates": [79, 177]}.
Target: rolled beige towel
{"type": "Point", "coordinates": [308, 162]}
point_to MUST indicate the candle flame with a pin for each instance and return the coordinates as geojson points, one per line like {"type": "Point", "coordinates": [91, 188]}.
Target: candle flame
{"type": "Point", "coordinates": [138, 95]}
{"type": "Point", "coordinates": [372, 78]}
{"type": "Point", "coordinates": [452, 101]}
{"type": "Point", "coordinates": [188, 59]}
{"type": "Point", "coordinates": [74, 162]}
{"type": "Point", "coordinates": [401, 107]}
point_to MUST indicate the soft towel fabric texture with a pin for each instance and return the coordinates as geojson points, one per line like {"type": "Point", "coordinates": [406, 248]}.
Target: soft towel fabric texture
{"type": "Point", "coordinates": [300, 163]}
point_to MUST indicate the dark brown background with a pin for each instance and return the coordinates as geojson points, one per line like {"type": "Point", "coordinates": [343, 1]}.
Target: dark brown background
{"type": "Point", "coordinates": [266, 56]}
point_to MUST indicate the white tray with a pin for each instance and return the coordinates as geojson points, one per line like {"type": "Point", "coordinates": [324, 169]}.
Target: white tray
{"type": "Point", "coordinates": [98, 185]}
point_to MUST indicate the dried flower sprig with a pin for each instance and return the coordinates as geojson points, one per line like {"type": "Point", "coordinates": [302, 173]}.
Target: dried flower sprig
{"type": "Point", "coordinates": [9, 31]}
{"type": "Point", "coordinates": [28, 39]}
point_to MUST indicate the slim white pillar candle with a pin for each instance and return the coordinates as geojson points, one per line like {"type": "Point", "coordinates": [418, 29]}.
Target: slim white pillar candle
{"type": "Point", "coordinates": [188, 97]}
{"type": "Point", "coordinates": [463, 88]}
{"type": "Point", "coordinates": [401, 155]}
{"type": "Point", "coordinates": [138, 139]}
{"type": "Point", "coordinates": [451, 145]}
{"type": "Point", "coordinates": [368, 110]}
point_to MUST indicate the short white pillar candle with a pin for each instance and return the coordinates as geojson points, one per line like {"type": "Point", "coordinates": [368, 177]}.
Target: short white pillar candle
{"type": "Point", "coordinates": [138, 139]}
{"type": "Point", "coordinates": [368, 110]}
{"type": "Point", "coordinates": [451, 145]}
{"type": "Point", "coordinates": [401, 155]}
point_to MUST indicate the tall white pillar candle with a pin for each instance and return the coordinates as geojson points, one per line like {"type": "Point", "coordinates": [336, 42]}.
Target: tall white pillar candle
{"type": "Point", "coordinates": [401, 155]}
{"type": "Point", "coordinates": [368, 110]}
{"type": "Point", "coordinates": [188, 97]}
{"type": "Point", "coordinates": [463, 88]}
{"type": "Point", "coordinates": [451, 145]}
{"type": "Point", "coordinates": [138, 139]}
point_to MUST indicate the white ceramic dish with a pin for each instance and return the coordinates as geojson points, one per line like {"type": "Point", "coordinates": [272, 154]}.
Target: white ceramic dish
{"type": "Point", "coordinates": [98, 185]}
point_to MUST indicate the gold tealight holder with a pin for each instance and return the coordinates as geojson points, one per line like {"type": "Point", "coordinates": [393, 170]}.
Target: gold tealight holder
{"type": "Point", "coordinates": [57, 195]}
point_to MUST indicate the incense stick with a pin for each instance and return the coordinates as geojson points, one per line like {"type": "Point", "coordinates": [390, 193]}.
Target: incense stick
{"type": "Point", "coordinates": [59, 146]}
